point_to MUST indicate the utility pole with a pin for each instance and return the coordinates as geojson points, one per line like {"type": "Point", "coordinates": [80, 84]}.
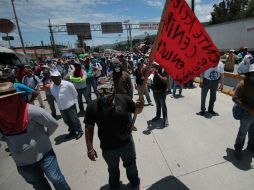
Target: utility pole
{"type": "Point", "coordinates": [53, 45]}
{"type": "Point", "coordinates": [193, 6]}
{"type": "Point", "coordinates": [128, 40]}
{"type": "Point", "coordinates": [130, 37]}
{"type": "Point", "coordinates": [20, 34]}
{"type": "Point", "coordinates": [9, 41]}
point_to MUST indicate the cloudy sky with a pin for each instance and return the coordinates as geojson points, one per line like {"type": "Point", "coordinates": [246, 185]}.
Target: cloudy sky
{"type": "Point", "coordinates": [34, 15]}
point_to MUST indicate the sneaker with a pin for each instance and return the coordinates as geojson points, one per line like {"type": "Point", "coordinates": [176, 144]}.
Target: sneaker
{"type": "Point", "coordinates": [70, 135]}
{"type": "Point", "coordinates": [250, 148]}
{"type": "Point", "coordinates": [81, 113]}
{"type": "Point", "coordinates": [53, 115]}
{"type": "Point", "coordinates": [166, 124]}
{"type": "Point", "coordinates": [212, 112]}
{"type": "Point", "coordinates": [238, 155]}
{"type": "Point", "coordinates": [136, 187]}
{"type": "Point", "coordinates": [151, 103]}
{"type": "Point", "coordinates": [202, 113]}
{"type": "Point", "coordinates": [79, 135]}
{"type": "Point", "coordinates": [173, 96]}
{"type": "Point", "coordinates": [134, 128]}
{"type": "Point", "coordinates": [155, 118]}
{"type": "Point", "coordinates": [169, 92]}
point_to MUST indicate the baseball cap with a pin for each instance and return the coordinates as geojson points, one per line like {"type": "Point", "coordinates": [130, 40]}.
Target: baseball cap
{"type": "Point", "coordinates": [106, 87]}
{"type": "Point", "coordinates": [55, 73]}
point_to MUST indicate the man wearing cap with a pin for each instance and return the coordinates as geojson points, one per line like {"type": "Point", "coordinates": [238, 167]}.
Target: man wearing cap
{"type": "Point", "coordinates": [244, 65]}
{"type": "Point", "coordinates": [26, 129]}
{"type": "Point", "coordinates": [244, 97]}
{"type": "Point", "coordinates": [110, 113]}
{"type": "Point", "coordinates": [33, 82]}
{"type": "Point", "coordinates": [230, 60]}
{"type": "Point", "coordinates": [210, 80]}
{"type": "Point", "coordinates": [243, 52]}
{"type": "Point", "coordinates": [65, 95]}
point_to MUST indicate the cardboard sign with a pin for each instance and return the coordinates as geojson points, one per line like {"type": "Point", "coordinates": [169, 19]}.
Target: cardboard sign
{"type": "Point", "coordinates": [184, 48]}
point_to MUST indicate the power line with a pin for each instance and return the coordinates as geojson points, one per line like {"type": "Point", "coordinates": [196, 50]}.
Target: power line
{"type": "Point", "coordinates": [29, 24]}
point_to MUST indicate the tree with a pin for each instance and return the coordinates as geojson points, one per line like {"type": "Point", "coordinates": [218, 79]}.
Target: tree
{"type": "Point", "coordinates": [229, 10]}
{"type": "Point", "coordinates": [250, 10]}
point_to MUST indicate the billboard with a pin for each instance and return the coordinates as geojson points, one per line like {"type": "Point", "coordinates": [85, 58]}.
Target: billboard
{"type": "Point", "coordinates": [149, 25]}
{"type": "Point", "coordinates": [78, 28]}
{"type": "Point", "coordinates": [111, 27]}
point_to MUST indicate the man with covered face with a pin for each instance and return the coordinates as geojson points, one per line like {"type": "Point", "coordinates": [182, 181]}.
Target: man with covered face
{"type": "Point", "coordinates": [121, 79]}
{"type": "Point", "coordinates": [26, 129]}
{"type": "Point", "coordinates": [111, 114]}
{"type": "Point", "coordinates": [125, 65]}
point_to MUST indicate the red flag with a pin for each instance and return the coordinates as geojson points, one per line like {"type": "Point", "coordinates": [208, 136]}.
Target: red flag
{"type": "Point", "coordinates": [184, 49]}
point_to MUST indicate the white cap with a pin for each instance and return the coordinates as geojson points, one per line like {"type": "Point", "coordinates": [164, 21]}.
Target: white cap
{"type": "Point", "coordinates": [248, 58]}
{"type": "Point", "coordinates": [251, 69]}
{"type": "Point", "coordinates": [55, 73]}
{"type": "Point", "coordinates": [232, 50]}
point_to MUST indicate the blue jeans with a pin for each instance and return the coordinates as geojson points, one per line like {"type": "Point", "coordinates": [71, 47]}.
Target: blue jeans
{"type": "Point", "coordinates": [90, 82]}
{"type": "Point", "coordinates": [246, 126]}
{"type": "Point", "coordinates": [175, 87]}
{"type": "Point", "coordinates": [71, 119]}
{"type": "Point", "coordinates": [34, 173]}
{"type": "Point", "coordinates": [160, 101]}
{"type": "Point", "coordinates": [128, 156]}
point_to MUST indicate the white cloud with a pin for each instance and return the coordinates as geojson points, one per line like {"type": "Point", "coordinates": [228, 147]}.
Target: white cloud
{"type": "Point", "coordinates": [203, 12]}
{"type": "Point", "coordinates": [34, 14]}
{"type": "Point", "coordinates": [154, 3]}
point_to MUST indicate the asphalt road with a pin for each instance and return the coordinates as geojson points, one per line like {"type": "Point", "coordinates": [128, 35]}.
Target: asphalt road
{"type": "Point", "coordinates": [194, 152]}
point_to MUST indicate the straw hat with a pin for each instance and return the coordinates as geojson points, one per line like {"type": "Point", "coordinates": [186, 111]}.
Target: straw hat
{"type": "Point", "coordinates": [7, 89]}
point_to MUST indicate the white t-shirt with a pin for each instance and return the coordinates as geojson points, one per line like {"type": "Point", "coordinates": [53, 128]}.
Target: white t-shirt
{"type": "Point", "coordinates": [99, 69]}
{"type": "Point", "coordinates": [65, 94]}
{"type": "Point", "coordinates": [214, 73]}
{"type": "Point", "coordinates": [244, 65]}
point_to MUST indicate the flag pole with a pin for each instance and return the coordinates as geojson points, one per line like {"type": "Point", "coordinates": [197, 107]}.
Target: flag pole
{"type": "Point", "coordinates": [151, 59]}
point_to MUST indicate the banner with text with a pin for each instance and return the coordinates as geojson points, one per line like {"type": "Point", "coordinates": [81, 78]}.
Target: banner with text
{"type": "Point", "coordinates": [185, 49]}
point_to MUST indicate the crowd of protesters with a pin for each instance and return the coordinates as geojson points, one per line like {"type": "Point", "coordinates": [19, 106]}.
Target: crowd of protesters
{"type": "Point", "coordinates": [110, 75]}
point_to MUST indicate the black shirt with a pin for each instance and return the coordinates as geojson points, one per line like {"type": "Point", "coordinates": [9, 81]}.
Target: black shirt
{"type": "Point", "coordinates": [158, 85]}
{"type": "Point", "coordinates": [112, 121]}
{"type": "Point", "coordinates": [139, 77]}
